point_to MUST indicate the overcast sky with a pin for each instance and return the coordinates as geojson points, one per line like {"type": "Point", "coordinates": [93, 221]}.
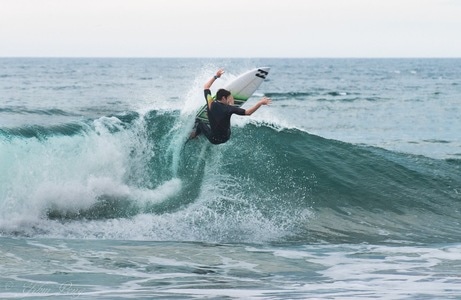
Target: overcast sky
{"type": "Point", "coordinates": [231, 28]}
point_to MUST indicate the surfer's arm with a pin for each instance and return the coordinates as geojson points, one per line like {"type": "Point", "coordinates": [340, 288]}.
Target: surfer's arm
{"type": "Point", "coordinates": [263, 101]}
{"type": "Point", "coordinates": [208, 98]}
{"type": "Point", "coordinates": [210, 82]}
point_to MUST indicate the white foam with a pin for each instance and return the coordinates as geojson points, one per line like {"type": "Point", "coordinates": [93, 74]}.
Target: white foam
{"type": "Point", "coordinates": [70, 173]}
{"type": "Point", "coordinates": [163, 192]}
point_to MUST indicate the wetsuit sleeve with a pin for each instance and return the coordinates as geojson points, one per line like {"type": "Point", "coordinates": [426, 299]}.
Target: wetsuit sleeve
{"type": "Point", "coordinates": [238, 110]}
{"type": "Point", "coordinates": [208, 97]}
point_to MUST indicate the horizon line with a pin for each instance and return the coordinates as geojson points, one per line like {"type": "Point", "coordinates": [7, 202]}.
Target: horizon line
{"type": "Point", "coordinates": [242, 57]}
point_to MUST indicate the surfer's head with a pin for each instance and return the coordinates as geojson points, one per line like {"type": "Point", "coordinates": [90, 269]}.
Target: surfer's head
{"type": "Point", "coordinates": [222, 93]}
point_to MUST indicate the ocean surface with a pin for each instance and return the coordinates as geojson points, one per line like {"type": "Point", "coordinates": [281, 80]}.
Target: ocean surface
{"type": "Point", "coordinates": [347, 187]}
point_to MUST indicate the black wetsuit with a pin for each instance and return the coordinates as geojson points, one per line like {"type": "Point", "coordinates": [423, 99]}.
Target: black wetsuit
{"type": "Point", "coordinates": [219, 116]}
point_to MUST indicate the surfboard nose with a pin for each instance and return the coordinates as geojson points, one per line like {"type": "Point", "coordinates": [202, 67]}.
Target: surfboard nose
{"type": "Point", "coordinates": [265, 69]}
{"type": "Point", "coordinates": [262, 72]}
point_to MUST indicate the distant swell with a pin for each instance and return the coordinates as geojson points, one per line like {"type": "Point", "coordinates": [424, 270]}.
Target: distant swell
{"type": "Point", "coordinates": [289, 95]}
{"type": "Point", "coordinates": [36, 131]}
{"type": "Point", "coordinates": [65, 129]}
{"type": "Point", "coordinates": [323, 95]}
{"type": "Point", "coordinates": [24, 110]}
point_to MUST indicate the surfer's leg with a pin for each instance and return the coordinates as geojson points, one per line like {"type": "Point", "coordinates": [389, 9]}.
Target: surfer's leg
{"type": "Point", "coordinates": [203, 128]}
{"type": "Point", "coordinates": [195, 132]}
{"type": "Point", "coordinates": [199, 129]}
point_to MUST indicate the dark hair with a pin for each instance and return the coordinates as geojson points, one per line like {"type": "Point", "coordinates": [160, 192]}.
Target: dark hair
{"type": "Point", "coordinates": [222, 93]}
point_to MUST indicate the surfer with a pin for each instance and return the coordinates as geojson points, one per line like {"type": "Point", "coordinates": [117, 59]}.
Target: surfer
{"type": "Point", "coordinates": [220, 111]}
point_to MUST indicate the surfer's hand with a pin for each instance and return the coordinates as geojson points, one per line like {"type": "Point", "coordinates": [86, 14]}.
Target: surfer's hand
{"type": "Point", "coordinates": [219, 73]}
{"type": "Point", "coordinates": [265, 101]}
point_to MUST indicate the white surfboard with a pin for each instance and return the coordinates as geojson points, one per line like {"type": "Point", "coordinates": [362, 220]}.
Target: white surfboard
{"type": "Point", "coordinates": [242, 88]}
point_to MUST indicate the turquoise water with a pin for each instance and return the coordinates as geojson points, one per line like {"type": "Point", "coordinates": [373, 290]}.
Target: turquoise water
{"type": "Point", "coordinates": [347, 186]}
